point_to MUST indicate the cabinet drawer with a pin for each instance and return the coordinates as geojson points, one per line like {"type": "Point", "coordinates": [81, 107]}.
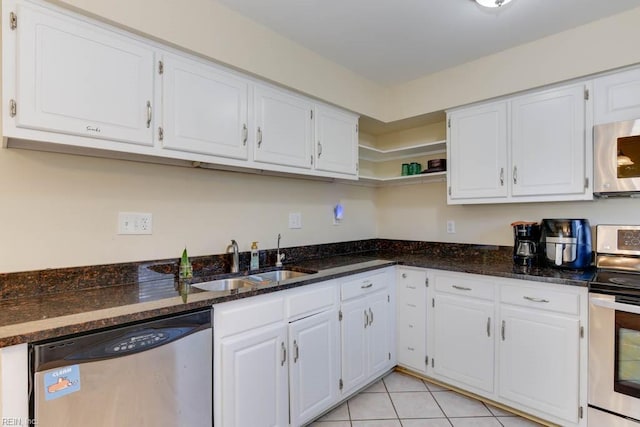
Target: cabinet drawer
{"type": "Point", "coordinates": [363, 284]}
{"type": "Point", "coordinates": [304, 302]}
{"type": "Point", "coordinates": [465, 285]}
{"type": "Point", "coordinates": [243, 315]}
{"type": "Point", "coordinates": [541, 299]}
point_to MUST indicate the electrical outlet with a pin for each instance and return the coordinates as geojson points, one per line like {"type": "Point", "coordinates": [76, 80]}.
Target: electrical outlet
{"type": "Point", "coordinates": [135, 223]}
{"type": "Point", "coordinates": [451, 227]}
{"type": "Point", "coordinates": [295, 220]}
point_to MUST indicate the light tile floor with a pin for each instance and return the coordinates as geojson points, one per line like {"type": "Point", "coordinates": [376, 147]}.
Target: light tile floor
{"type": "Point", "coordinates": [400, 400]}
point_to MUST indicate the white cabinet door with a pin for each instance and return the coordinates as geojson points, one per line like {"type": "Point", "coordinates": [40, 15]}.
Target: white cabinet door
{"type": "Point", "coordinates": [412, 318]}
{"type": "Point", "coordinates": [204, 109]}
{"type": "Point", "coordinates": [539, 361]}
{"type": "Point", "coordinates": [548, 142]}
{"type": "Point", "coordinates": [77, 78]}
{"type": "Point", "coordinates": [379, 347]}
{"type": "Point", "coordinates": [463, 348]}
{"type": "Point", "coordinates": [616, 97]}
{"type": "Point", "coordinates": [283, 128]}
{"type": "Point", "coordinates": [255, 378]}
{"type": "Point", "coordinates": [477, 144]}
{"type": "Point", "coordinates": [314, 370]}
{"type": "Point", "coordinates": [336, 140]}
{"type": "Point", "coordinates": [354, 343]}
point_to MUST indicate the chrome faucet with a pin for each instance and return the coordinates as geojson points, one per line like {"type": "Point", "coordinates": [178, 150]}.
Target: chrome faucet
{"type": "Point", "coordinates": [235, 264]}
{"type": "Point", "coordinates": [279, 257]}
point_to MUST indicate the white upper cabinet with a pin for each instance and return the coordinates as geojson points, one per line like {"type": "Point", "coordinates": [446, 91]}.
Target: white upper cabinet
{"type": "Point", "coordinates": [75, 77]}
{"type": "Point", "coordinates": [283, 128]}
{"type": "Point", "coordinates": [204, 109]}
{"type": "Point", "coordinates": [548, 143]}
{"type": "Point", "coordinates": [617, 97]}
{"type": "Point", "coordinates": [336, 135]}
{"type": "Point", "coordinates": [531, 148]}
{"type": "Point", "coordinates": [478, 152]}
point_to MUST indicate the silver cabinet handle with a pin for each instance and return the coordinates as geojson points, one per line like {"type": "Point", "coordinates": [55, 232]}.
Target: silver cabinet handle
{"type": "Point", "coordinates": [410, 287]}
{"type": "Point", "coordinates": [460, 288]}
{"type": "Point", "coordinates": [259, 136]}
{"type": "Point", "coordinates": [404, 275]}
{"type": "Point", "coordinates": [284, 354]}
{"type": "Point", "coordinates": [149, 114]}
{"type": "Point", "coordinates": [371, 317]}
{"type": "Point", "coordinates": [366, 284]}
{"type": "Point", "coordinates": [245, 134]}
{"type": "Point", "coordinates": [501, 177]}
{"type": "Point", "coordinates": [502, 329]}
{"type": "Point", "coordinates": [532, 299]}
{"type": "Point", "coordinates": [515, 174]}
{"type": "Point", "coordinates": [489, 326]}
{"type": "Point", "coordinates": [319, 149]}
{"type": "Point", "coordinates": [297, 351]}
{"type": "Point", "coordinates": [366, 319]}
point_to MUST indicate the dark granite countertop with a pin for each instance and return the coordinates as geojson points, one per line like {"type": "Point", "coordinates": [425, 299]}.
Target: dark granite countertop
{"type": "Point", "coordinates": [105, 296]}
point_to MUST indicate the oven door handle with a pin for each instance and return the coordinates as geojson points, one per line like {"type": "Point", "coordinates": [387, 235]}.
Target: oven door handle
{"type": "Point", "coordinates": [607, 303]}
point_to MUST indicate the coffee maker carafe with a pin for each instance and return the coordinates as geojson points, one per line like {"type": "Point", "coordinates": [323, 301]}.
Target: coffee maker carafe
{"type": "Point", "coordinates": [525, 243]}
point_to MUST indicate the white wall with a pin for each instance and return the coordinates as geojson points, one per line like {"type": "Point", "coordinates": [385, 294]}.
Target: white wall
{"type": "Point", "coordinates": [420, 212]}
{"type": "Point", "coordinates": [61, 210]}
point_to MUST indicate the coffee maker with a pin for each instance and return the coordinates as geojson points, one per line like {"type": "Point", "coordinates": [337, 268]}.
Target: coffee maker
{"type": "Point", "coordinates": [566, 243]}
{"type": "Point", "coordinates": [525, 243]}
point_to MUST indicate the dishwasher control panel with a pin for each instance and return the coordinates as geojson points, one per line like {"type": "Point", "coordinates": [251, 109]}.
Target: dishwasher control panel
{"type": "Point", "coordinates": [139, 342]}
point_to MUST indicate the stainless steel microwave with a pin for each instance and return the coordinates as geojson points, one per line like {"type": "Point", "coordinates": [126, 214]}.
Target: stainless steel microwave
{"type": "Point", "coordinates": [616, 159]}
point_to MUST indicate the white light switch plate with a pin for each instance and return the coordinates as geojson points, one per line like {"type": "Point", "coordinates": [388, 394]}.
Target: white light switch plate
{"type": "Point", "coordinates": [295, 220]}
{"type": "Point", "coordinates": [135, 223]}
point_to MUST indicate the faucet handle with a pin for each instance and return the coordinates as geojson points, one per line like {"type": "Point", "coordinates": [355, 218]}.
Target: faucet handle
{"type": "Point", "coordinates": [279, 258]}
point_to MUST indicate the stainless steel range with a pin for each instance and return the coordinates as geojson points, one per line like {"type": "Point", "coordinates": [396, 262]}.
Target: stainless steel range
{"type": "Point", "coordinates": [614, 329]}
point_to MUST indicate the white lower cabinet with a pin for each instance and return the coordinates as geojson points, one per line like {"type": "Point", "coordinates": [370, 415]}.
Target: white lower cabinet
{"type": "Point", "coordinates": [367, 328]}
{"type": "Point", "coordinates": [462, 328]}
{"type": "Point", "coordinates": [411, 322]}
{"type": "Point", "coordinates": [313, 365]}
{"type": "Point", "coordinates": [516, 342]}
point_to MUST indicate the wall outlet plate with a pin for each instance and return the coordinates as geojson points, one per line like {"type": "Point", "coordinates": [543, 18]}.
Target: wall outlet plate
{"type": "Point", "coordinates": [135, 223]}
{"type": "Point", "coordinates": [295, 220]}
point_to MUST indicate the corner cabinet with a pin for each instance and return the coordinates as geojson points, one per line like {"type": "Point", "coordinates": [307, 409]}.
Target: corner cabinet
{"type": "Point", "coordinates": [411, 298]}
{"type": "Point", "coordinates": [80, 86]}
{"type": "Point", "coordinates": [529, 148]}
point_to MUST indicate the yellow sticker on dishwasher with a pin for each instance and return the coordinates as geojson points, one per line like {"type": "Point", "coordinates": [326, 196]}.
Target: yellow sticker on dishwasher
{"type": "Point", "coordinates": [60, 382]}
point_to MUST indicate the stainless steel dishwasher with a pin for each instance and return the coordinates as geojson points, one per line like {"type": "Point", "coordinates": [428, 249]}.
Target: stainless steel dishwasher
{"type": "Point", "coordinates": [156, 373]}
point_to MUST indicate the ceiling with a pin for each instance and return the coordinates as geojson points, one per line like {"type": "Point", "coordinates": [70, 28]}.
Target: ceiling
{"type": "Point", "coordinates": [394, 41]}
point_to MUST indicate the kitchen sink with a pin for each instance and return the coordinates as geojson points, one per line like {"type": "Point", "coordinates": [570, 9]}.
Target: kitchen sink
{"type": "Point", "coordinates": [258, 279]}
{"type": "Point", "coordinates": [222, 284]}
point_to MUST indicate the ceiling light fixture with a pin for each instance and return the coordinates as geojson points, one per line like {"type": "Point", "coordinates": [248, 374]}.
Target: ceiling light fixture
{"type": "Point", "coordinates": [492, 3]}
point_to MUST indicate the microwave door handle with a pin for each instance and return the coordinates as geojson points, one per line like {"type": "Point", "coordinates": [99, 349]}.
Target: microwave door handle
{"type": "Point", "coordinates": [607, 303]}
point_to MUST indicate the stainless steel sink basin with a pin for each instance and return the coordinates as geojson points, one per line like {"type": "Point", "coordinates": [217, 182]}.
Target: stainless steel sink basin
{"type": "Point", "coordinates": [258, 279]}
{"type": "Point", "coordinates": [222, 284]}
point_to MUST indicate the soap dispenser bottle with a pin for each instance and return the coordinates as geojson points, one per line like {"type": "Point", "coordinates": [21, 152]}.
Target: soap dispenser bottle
{"type": "Point", "coordinates": [255, 257]}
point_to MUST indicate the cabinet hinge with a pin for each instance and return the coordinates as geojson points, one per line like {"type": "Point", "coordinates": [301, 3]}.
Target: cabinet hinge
{"type": "Point", "coordinates": [586, 94]}
{"type": "Point", "coordinates": [13, 108]}
{"type": "Point", "coordinates": [160, 67]}
{"type": "Point", "coordinates": [586, 182]}
{"type": "Point", "coordinates": [426, 282]}
{"type": "Point", "coordinates": [426, 360]}
{"type": "Point", "coordinates": [340, 316]}
{"type": "Point", "coordinates": [357, 166]}
{"type": "Point", "coordinates": [433, 302]}
{"type": "Point", "coordinates": [356, 128]}
{"type": "Point", "coordinates": [13, 20]}
{"type": "Point", "coordinates": [311, 160]}
{"type": "Point", "coordinates": [581, 331]}
{"type": "Point", "coordinates": [340, 384]}
{"type": "Point", "coordinates": [449, 190]}
{"type": "Point", "coordinates": [433, 363]}
{"type": "Point", "coordinates": [388, 298]}
{"type": "Point", "coordinates": [160, 133]}
{"type": "Point", "coordinates": [581, 412]}
{"type": "Point", "coordinates": [389, 356]}
{"type": "Point", "coordinates": [311, 114]}
{"type": "Point", "coordinates": [449, 123]}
